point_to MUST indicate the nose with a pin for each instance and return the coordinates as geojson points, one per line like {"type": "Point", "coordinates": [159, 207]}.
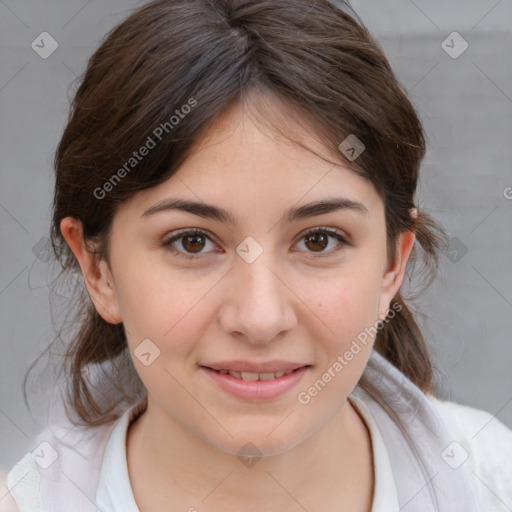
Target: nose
{"type": "Point", "coordinates": [258, 303]}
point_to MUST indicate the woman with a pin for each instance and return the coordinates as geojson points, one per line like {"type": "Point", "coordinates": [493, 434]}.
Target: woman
{"type": "Point", "coordinates": [236, 185]}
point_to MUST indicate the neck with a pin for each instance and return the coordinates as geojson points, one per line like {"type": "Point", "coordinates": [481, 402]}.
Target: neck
{"type": "Point", "coordinates": [332, 467]}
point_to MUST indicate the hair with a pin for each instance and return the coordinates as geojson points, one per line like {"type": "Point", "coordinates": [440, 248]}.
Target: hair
{"type": "Point", "coordinates": [177, 65]}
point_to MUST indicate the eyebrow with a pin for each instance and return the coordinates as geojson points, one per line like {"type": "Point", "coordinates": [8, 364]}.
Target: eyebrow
{"type": "Point", "coordinates": [209, 211]}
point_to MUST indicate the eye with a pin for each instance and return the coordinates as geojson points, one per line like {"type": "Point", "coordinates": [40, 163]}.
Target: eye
{"type": "Point", "coordinates": [317, 240]}
{"type": "Point", "coordinates": [194, 240]}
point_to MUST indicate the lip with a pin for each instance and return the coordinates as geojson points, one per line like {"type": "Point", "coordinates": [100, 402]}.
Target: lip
{"type": "Point", "coordinates": [258, 390]}
{"type": "Point", "coordinates": [273, 366]}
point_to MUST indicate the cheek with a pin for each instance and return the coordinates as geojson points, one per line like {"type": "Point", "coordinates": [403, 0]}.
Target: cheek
{"type": "Point", "coordinates": [346, 306]}
{"type": "Point", "coordinates": [169, 311]}
{"type": "Point", "coordinates": [348, 314]}
{"type": "Point", "coordinates": [173, 320]}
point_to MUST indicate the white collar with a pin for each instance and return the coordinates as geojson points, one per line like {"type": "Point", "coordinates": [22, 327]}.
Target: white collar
{"type": "Point", "coordinates": [385, 498]}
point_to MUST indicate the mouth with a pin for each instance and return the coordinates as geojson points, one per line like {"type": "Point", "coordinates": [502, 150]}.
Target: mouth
{"type": "Point", "coordinates": [256, 386]}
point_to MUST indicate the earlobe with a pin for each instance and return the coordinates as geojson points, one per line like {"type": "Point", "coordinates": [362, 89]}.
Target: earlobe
{"type": "Point", "coordinates": [97, 276]}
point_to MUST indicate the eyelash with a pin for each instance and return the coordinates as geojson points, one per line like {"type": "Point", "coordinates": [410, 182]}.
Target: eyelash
{"type": "Point", "coordinates": [192, 232]}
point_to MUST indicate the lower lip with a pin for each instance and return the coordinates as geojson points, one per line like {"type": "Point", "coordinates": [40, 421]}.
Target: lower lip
{"type": "Point", "coordinates": [258, 389]}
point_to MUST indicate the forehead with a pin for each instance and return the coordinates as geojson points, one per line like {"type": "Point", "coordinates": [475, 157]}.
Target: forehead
{"type": "Point", "coordinates": [245, 164]}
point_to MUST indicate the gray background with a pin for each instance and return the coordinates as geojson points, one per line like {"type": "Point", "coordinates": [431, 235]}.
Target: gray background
{"type": "Point", "coordinates": [466, 105]}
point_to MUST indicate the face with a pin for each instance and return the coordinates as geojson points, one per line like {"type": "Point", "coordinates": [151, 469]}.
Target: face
{"type": "Point", "coordinates": [197, 292]}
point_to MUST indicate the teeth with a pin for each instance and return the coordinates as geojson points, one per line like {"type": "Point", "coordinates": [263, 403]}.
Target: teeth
{"type": "Point", "coordinates": [251, 376]}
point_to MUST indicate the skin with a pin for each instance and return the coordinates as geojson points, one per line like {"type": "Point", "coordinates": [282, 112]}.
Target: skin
{"type": "Point", "coordinates": [287, 304]}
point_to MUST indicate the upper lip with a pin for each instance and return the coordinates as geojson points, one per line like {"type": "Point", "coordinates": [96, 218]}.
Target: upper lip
{"type": "Point", "coordinates": [253, 367]}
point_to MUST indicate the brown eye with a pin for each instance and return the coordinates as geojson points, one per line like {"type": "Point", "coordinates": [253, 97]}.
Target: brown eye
{"type": "Point", "coordinates": [193, 241]}
{"type": "Point", "coordinates": [317, 241]}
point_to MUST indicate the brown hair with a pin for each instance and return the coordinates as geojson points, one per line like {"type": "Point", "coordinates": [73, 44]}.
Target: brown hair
{"type": "Point", "coordinates": [312, 56]}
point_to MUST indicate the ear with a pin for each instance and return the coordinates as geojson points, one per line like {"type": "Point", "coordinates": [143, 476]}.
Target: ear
{"type": "Point", "coordinates": [97, 275]}
{"type": "Point", "coordinates": [394, 274]}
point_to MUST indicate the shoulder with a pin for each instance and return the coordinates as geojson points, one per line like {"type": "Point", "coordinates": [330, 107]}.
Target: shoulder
{"type": "Point", "coordinates": [23, 482]}
{"type": "Point", "coordinates": [483, 444]}
{"type": "Point", "coordinates": [62, 468]}
{"type": "Point", "coordinates": [479, 429]}
{"type": "Point", "coordinates": [65, 465]}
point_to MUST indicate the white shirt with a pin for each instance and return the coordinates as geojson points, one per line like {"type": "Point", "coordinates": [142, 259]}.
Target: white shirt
{"type": "Point", "coordinates": [479, 439]}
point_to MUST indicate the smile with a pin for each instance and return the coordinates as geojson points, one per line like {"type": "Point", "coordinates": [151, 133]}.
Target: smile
{"type": "Point", "coordinates": [252, 386]}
